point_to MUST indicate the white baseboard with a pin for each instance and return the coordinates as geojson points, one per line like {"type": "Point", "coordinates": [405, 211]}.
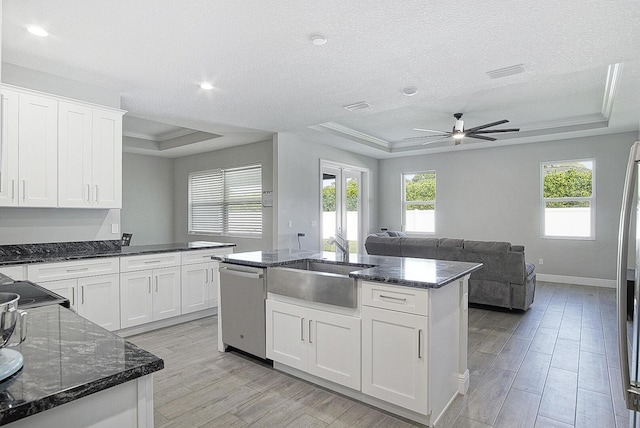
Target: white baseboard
{"type": "Point", "coordinates": [168, 322]}
{"type": "Point", "coordinates": [579, 280]}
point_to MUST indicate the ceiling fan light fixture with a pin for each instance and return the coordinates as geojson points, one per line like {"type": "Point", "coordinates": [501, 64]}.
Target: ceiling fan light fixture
{"type": "Point", "coordinates": [410, 91]}
{"type": "Point", "coordinates": [37, 31]}
{"type": "Point", "coordinates": [458, 135]}
{"type": "Point", "coordinates": [318, 40]}
{"type": "Point", "coordinates": [207, 86]}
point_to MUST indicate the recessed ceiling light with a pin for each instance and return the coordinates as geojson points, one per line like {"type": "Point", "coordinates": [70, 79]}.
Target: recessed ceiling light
{"type": "Point", "coordinates": [410, 91]}
{"type": "Point", "coordinates": [318, 40]}
{"type": "Point", "coordinates": [206, 85]}
{"type": "Point", "coordinates": [37, 31]}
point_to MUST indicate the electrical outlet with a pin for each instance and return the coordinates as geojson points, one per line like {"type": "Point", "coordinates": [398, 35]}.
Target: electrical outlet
{"type": "Point", "coordinates": [540, 261]}
{"type": "Point", "coordinates": [290, 223]}
{"type": "Point", "coordinates": [114, 228]}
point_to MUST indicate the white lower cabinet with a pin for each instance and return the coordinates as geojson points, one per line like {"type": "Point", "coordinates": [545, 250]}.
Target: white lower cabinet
{"type": "Point", "coordinates": [199, 286]}
{"type": "Point", "coordinates": [97, 298]}
{"type": "Point", "coordinates": [149, 295]}
{"type": "Point", "coordinates": [322, 343]}
{"type": "Point", "coordinates": [66, 288]}
{"type": "Point", "coordinates": [394, 358]}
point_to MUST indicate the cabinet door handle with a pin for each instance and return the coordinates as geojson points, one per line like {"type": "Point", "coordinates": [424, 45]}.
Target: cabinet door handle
{"type": "Point", "coordinates": [73, 296]}
{"type": "Point", "coordinates": [206, 276]}
{"type": "Point", "coordinates": [398, 299]}
{"type": "Point", "coordinates": [310, 332]}
{"type": "Point", "coordinates": [82, 295]}
{"type": "Point", "coordinates": [420, 344]}
{"type": "Point", "coordinates": [212, 276]}
{"type": "Point", "coordinates": [302, 329]}
{"type": "Point", "coordinates": [157, 280]}
{"type": "Point", "coordinates": [24, 190]}
{"type": "Point", "coordinates": [149, 283]}
{"type": "Point", "coordinates": [13, 190]}
{"type": "Point", "coordinates": [148, 262]}
{"type": "Point", "coordinates": [78, 269]}
{"type": "Point", "coordinates": [88, 193]}
{"type": "Point", "coordinates": [96, 194]}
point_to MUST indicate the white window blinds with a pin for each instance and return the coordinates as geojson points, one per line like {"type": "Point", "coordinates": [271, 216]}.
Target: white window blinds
{"type": "Point", "coordinates": [226, 201]}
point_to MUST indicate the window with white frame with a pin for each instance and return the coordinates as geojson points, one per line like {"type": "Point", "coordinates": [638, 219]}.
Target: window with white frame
{"type": "Point", "coordinates": [568, 199]}
{"type": "Point", "coordinates": [226, 201]}
{"type": "Point", "coordinates": [419, 202]}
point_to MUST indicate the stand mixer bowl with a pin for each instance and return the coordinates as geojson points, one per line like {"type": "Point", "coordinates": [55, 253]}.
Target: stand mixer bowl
{"type": "Point", "coordinates": [9, 315]}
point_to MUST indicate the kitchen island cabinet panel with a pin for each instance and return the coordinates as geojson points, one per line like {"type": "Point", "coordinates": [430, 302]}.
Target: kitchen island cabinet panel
{"type": "Point", "coordinates": [321, 343]}
{"type": "Point", "coordinates": [394, 358]}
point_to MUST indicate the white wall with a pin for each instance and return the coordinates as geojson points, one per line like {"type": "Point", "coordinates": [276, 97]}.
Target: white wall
{"type": "Point", "coordinates": [147, 199]}
{"type": "Point", "coordinates": [494, 194]}
{"type": "Point", "coordinates": [34, 225]}
{"type": "Point", "coordinates": [298, 192]}
{"type": "Point", "coordinates": [261, 152]}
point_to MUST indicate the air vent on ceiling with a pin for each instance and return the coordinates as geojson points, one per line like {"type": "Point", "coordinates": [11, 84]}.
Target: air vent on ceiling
{"type": "Point", "coordinates": [357, 106]}
{"type": "Point", "coordinates": [506, 71]}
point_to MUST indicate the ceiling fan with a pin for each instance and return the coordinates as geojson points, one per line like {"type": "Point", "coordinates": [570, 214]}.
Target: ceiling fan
{"type": "Point", "coordinates": [458, 132]}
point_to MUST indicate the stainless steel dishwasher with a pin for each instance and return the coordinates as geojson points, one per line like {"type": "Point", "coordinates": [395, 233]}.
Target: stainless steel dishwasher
{"type": "Point", "coordinates": [243, 292]}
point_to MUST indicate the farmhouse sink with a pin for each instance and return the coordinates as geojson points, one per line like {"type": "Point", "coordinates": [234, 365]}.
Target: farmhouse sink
{"type": "Point", "coordinates": [316, 282]}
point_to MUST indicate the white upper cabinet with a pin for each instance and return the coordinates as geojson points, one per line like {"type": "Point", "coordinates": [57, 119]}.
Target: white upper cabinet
{"type": "Point", "coordinates": [75, 135]}
{"type": "Point", "coordinates": [90, 152]}
{"type": "Point", "coordinates": [56, 152]}
{"type": "Point", "coordinates": [38, 151]}
{"type": "Point", "coordinates": [29, 176]}
{"type": "Point", "coordinates": [107, 159]}
{"type": "Point", "coordinates": [9, 149]}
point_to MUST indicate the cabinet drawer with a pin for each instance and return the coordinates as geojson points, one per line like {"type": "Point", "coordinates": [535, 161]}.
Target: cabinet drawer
{"type": "Point", "coordinates": [76, 269]}
{"type": "Point", "coordinates": [150, 261]}
{"type": "Point", "coordinates": [201, 256]}
{"type": "Point", "coordinates": [403, 299]}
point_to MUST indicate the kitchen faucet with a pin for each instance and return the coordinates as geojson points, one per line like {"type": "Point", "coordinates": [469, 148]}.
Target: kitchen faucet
{"type": "Point", "coordinates": [344, 246]}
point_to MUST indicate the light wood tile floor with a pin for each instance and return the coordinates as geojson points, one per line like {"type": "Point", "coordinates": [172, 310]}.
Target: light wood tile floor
{"type": "Point", "coordinates": [555, 365]}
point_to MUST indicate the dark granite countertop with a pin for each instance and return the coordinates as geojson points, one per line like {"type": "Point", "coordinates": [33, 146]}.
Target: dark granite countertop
{"type": "Point", "coordinates": [64, 251]}
{"type": "Point", "coordinates": [404, 271]}
{"type": "Point", "coordinates": [67, 357]}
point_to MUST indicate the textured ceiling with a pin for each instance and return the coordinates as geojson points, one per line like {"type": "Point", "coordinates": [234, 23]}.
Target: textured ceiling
{"type": "Point", "coordinates": [269, 77]}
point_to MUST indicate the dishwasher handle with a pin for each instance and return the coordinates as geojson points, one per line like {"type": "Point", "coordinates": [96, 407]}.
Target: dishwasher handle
{"type": "Point", "coordinates": [253, 275]}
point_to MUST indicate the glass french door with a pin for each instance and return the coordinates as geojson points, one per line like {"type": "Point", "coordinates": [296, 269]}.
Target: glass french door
{"type": "Point", "coordinates": [342, 207]}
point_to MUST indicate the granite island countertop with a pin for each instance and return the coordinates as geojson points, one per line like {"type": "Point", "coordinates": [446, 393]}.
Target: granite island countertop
{"type": "Point", "coordinates": [64, 251]}
{"type": "Point", "coordinates": [67, 357]}
{"type": "Point", "coordinates": [403, 271]}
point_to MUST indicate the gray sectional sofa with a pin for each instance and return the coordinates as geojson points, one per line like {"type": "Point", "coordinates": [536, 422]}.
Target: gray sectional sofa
{"type": "Point", "coordinates": [505, 280]}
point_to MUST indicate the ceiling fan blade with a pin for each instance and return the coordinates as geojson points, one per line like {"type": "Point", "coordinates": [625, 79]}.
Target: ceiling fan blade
{"type": "Point", "coordinates": [480, 137]}
{"type": "Point", "coordinates": [436, 140]}
{"type": "Point", "coordinates": [424, 137]}
{"type": "Point", "coordinates": [489, 131]}
{"type": "Point", "coordinates": [430, 130]}
{"type": "Point", "coordinates": [486, 125]}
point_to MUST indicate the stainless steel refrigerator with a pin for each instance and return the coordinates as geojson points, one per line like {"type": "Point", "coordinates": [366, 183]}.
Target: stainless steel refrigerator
{"type": "Point", "coordinates": [629, 292]}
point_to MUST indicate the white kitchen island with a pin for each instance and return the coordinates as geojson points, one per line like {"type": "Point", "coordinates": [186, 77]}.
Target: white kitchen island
{"type": "Point", "coordinates": [402, 348]}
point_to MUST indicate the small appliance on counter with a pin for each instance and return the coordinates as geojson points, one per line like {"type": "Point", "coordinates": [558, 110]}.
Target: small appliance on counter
{"type": "Point", "coordinates": [10, 360]}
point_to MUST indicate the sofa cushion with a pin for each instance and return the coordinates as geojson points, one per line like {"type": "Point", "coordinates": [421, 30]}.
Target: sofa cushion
{"type": "Point", "coordinates": [493, 255]}
{"type": "Point", "coordinates": [383, 246]}
{"type": "Point", "coordinates": [426, 248]}
{"type": "Point", "coordinates": [450, 249]}
{"type": "Point", "coordinates": [396, 233]}
{"type": "Point", "coordinates": [530, 269]}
